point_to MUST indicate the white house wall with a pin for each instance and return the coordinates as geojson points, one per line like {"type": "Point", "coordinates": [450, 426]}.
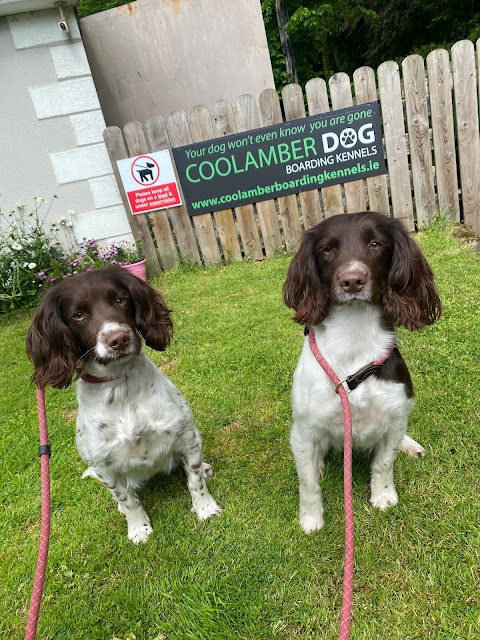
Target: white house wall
{"type": "Point", "coordinates": [51, 127]}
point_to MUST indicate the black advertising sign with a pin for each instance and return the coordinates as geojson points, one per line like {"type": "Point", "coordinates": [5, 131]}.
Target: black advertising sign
{"type": "Point", "coordinates": [299, 155]}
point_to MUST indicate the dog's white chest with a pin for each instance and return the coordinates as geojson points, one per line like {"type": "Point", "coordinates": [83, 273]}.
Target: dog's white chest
{"type": "Point", "coordinates": [375, 406]}
{"type": "Point", "coordinates": [124, 441]}
{"type": "Point", "coordinates": [350, 339]}
{"type": "Point", "coordinates": [132, 427]}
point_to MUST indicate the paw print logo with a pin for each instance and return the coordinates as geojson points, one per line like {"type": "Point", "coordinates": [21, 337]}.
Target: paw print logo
{"type": "Point", "coordinates": [348, 138]}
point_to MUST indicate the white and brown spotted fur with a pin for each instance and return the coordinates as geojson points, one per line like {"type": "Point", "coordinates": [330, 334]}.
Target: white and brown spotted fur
{"type": "Point", "coordinates": [354, 278]}
{"type": "Point", "coordinates": [132, 421]}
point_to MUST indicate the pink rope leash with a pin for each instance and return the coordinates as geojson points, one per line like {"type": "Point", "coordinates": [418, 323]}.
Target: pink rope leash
{"type": "Point", "coordinates": [346, 615]}
{"type": "Point", "coordinates": [348, 569]}
{"type": "Point", "coordinates": [39, 581]}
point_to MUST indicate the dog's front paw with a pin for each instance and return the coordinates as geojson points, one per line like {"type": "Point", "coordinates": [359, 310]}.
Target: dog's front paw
{"type": "Point", "coordinates": [139, 533]}
{"type": "Point", "coordinates": [383, 499]}
{"type": "Point", "coordinates": [311, 522]}
{"type": "Point", "coordinates": [206, 508]}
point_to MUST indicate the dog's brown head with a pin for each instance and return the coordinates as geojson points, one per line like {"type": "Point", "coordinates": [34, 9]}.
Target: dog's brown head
{"type": "Point", "coordinates": [111, 303]}
{"type": "Point", "coordinates": [361, 258]}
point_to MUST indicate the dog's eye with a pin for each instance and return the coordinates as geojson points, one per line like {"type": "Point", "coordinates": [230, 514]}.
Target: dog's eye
{"type": "Point", "coordinates": [327, 250]}
{"type": "Point", "coordinates": [78, 315]}
{"type": "Point", "coordinates": [375, 244]}
{"type": "Point", "coordinates": [121, 301]}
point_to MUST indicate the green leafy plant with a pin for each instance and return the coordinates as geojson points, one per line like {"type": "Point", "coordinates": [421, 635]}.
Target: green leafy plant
{"type": "Point", "coordinates": [32, 258]}
{"type": "Point", "coordinates": [25, 248]}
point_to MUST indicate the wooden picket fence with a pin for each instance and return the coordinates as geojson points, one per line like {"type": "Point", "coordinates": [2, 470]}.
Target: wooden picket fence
{"type": "Point", "coordinates": [430, 123]}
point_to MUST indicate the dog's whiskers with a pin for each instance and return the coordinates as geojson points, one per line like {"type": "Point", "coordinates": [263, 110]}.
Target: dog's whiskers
{"type": "Point", "coordinates": [86, 354]}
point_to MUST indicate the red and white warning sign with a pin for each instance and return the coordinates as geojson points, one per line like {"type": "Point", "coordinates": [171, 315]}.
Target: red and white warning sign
{"type": "Point", "coordinates": [149, 182]}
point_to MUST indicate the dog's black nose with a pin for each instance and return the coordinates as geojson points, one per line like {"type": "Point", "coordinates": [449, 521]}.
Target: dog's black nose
{"type": "Point", "coordinates": [118, 339]}
{"type": "Point", "coordinates": [353, 281]}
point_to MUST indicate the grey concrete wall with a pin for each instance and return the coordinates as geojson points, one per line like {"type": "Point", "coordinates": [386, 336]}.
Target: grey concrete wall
{"type": "Point", "coordinates": [150, 58]}
{"type": "Point", "coordinates": [51, 128]}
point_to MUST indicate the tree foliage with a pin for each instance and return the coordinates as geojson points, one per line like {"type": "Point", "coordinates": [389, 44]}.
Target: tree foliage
{"type": "Point", "coordinates": [89, 7]}
{"type": "Point", "coordinates": [342, 35]}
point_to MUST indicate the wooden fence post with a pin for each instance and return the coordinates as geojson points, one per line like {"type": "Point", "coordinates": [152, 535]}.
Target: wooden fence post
{"type": "Point", "coordinates": [179, 134]}
{"type": "Point", "coordinates": [287, 205]}
{"type": "Point", "coordinates": [466, 103]}
{"type": "Point", "coordinates": [416, 103]}
{"type": "Point", "coordinates": [117, 150]}
{"type": "Point", "coordinates": [317, 101]}
{"type": "Point", "coordinates": [137, 145]}
{"type": "Point", "coordinates": [222, 118]}
{"type": "Point", "coordinates": [395, 143]}
{"type": "Point", "coordinates": [272, 234]}
{"type": "Point", "coordinates": [294, 108]}
{"type": "Point", "coordinates": [246, 118]}
{"type": "Point", "coordinates": [201, 128]}
{"type": "Point", "coordinates": [341, 95]}
{"type": "Point", "coordinates": [182, 226]}
{"type": "Point", "coordinates": [377, 187]}
{"type": "Point", "coordinates": [440, 89]}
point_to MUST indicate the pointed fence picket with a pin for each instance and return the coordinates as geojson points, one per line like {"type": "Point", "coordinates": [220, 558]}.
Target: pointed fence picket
{"type": "Point", "coordinates": [366, 91]}
{"type": "Point", "coordinates": [443, 134]}
{"type": "Point", "coordinates": [466, 81]}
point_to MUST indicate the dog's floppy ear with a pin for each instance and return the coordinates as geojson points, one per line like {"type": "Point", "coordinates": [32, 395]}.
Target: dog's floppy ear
{"type": "Point", "coordinates": [152, 317]}
{"type": "Point", "coordinates": [304, 290]}
{"type": "Point", "coordinates": [411, 299]}
{"type": "Point", "coordinates": [50, 345]}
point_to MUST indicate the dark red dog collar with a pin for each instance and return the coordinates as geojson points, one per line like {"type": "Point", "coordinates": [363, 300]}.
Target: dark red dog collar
{"type": "Point", "coordinates": [86, 377]}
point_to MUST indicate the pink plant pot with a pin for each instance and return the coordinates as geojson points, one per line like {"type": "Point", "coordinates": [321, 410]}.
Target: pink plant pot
{"type": "Point", "coordinates": [138, 269]}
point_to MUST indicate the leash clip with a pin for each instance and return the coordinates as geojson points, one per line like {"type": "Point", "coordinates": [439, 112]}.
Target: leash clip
{"type": "Point", "coordinates": [346, 388]}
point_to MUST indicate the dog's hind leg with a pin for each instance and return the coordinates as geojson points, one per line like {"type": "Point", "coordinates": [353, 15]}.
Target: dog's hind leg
{"type": "Point", "coordinates": [410, 446]}
{"type": "Point", "coordinates": [91, 473]}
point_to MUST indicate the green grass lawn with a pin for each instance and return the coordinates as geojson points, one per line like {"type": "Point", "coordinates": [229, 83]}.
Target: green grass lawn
{"type": "Point", "coordinates": [252, 574]}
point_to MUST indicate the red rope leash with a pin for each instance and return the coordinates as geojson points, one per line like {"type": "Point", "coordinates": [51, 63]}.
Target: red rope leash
{"type": "Point", "coordinates": [348, 569]}
{"type": "Point", "coordinates": [39, 581]}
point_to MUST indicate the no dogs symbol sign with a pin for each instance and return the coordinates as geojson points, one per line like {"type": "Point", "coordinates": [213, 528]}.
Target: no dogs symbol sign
{"type": "Point", "coordinates": [149, 182]}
